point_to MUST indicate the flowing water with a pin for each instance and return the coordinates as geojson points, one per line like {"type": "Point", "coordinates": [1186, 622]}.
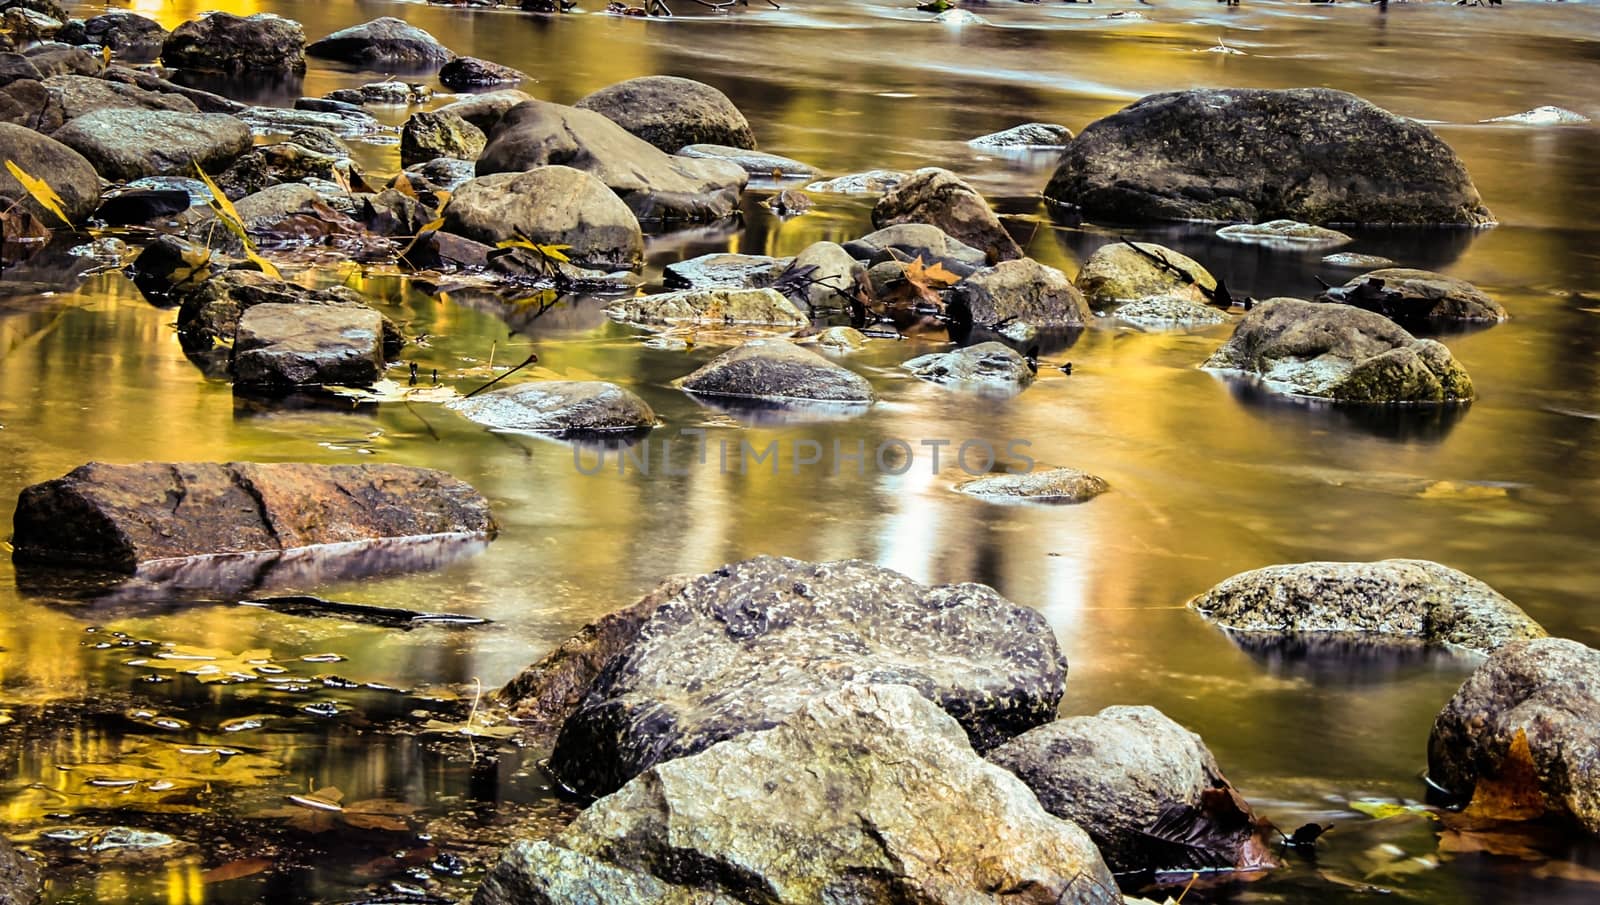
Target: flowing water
{"type": "Point", "coordinates": [102, 728]}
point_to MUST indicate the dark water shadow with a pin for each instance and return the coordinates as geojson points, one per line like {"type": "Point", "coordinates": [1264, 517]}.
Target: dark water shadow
{"type": "Point", "coordinates": [574, 312]}
{"type": "Point", "coordinates": [1046, 342]}
{"type": "Point", "coordinates": [1349, 660]}
{"type": "Point", "coordinates": [777, 413]}
{"type": "Point", "coordinates": [1401, 423]}
{"type": "Point", "coordinates": [263, 89]}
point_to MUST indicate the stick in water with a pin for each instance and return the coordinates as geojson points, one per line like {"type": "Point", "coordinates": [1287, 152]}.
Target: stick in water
{"type": "Point", "coordinates": [531, 359]}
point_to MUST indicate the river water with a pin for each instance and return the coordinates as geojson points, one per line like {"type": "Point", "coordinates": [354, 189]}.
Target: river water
{"type": "Point", "coordinates": [1209, 478]}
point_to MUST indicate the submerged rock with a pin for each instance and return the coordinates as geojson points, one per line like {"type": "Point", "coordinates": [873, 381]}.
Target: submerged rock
{"type": "Point", "coordinates": [655, 185]}
{"type": "Point", "coordinates": [872, 182]}
{"type": "Point", "coordinates": [1354, 260]}
{"type": "Point", "coordinates": [1309, 154]}
{"type": "Point", "coordinates": [464, 73]}
{"type": "Point", "coordinates": [224, 42]}
{"type": "Point", "coordinates": [1120, 772]}
{"type": "Point", "coordinates": [671, 112]}
{"type": "Point", "coordinates": [439, 133]}
{"type": "Point", "coordinates": [117, 517]}
{"type": "Point", "coordinates": [71, 175]}
{"type": "Point", "coordinates": [756, 163]}
{"type": "Point", "coordinates": [1521, 738]}
{"type": "Point", "coordinates": [1403, 598]}
{"type": "Point", "coordinates": [777, 370]}
{"type": "Point", "coordinates": [724, 270]}
{"type": "Point", "coordinates": [744, 647]}
{"type": "Point", "coordinates": [831, 803]}
{"type": "Point", "coordinates": [383, 42]}
{"type": "Point", "coordinates": [1284, 234]}
{"type": "Point", "coordinates": [988, 366]}
{"type": "Point", "coordinates": [550, 205]}
{"type": "Point", "coordinates": [1020, 291]}
{"type": "Point", "coordinates": [130, 144]}
{"type": "Point", "coordinates": [1168, 311]}
{"type": "Point", "coordinates": [940, 198]}
{"type": "Point", "coordinates": [1118, 272]}
{"type": "Point", "coordinates": [285, 346]}
{"type": "Point", "coordinates": [559, 407]}
{"type": "Point", "coordinates": [1341, 353]}
{"type": "Point", "coordinates": [1403, 293]}
{"type": "Point", "coordinates": [762, 307]}
{"type": "Point", "coordinates": [1542, 116]}
{"type": "Point", "coordinates": [1025, 136]}
{"type": "Point", "coordinates": [1045, 485]}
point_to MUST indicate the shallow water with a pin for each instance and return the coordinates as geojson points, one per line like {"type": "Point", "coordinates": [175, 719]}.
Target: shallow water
{"type": "Point", "coordinates": [1210, 477]}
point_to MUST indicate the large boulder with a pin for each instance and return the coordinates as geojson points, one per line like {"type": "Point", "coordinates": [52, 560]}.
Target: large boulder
{"type": "Point", "coordinates": [65, 170]}
{"type": "Point", "coordinates": [1021, 291]}
{"type": "Point", "coordinates": [210, 313]}
{"type": "Point", "coordinates": [670, 112]}
{"type": "Point", "coordinates": [223, 42]}
{"type": "Point", "coordinates": [82, 94]}
{"type": "Point", "coordinates": [385, 43]}
{"type": "Point", "coordinates": [990, 367]}
{"type": "Point", "coordinates": [1249, 154]}
{"type": "Point", "coordinates": [550, 205]}
{"type": "Point", "coordinates": [117, 517]}
{"type": "Point", "coordinates": [560, 407]}
{"type": "Point", "coordinates": [780, 371]}
{"type": "Point", "coordinates": [656, 186]}
{"type": "Point", "coordinates": [1521, 738]}
{"type": "Point", "coordinates": [744, 647]}
{"type": "Point", "coordinates": [1407, 295]}
{"type": "Point", "coordinates": [1122, 771]}
{"type": "Point", "coordinates": [761, 307]}
{"type": "Point", "coordinates": [867, 793]}
{"type": "Point", "coordinates": [20, 883]}
{"type": "Point", "coordinates": [431, 134]}
{"type": "Point", "coordinates": [285, 346]}
{"type": "Point", "coordinates": [940, 198]}
{"type": "Point", "coordinates": [1400, 598]}
{"type": "Point", "coordinates": [125, 144]}
{"type": "Point", "coordinates": [1121, 272]}
{"type": "Point", "coordinates": [133, 37]}
{"type": "Point", "coordinates": [1342, 353]}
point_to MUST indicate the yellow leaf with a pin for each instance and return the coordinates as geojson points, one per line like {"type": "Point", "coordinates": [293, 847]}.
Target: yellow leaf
{"type": "Point", "coordinates": [934, 277]}
{"type": "Point", "coordinates": [402, 184]}
{"type": "Point", "coordinates": [40, 190]}
{"type": "Point", "coordinates": [105, 57]}
{"type": "Point", "coordinates": [553, 252]}
{"type": "Point", "coordinates": [1514, 792]}
{"type": "Point", "coordinates": [267, 267]}
{"type": "Point", "coordinates": [429, 227]}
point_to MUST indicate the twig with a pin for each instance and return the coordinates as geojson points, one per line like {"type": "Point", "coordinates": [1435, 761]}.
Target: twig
{"type": "Point", "coordinates": [530, 360]}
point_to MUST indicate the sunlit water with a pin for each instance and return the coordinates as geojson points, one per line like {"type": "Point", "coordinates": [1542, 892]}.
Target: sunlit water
{"type": "Point", "coordinates": [1210, 478]}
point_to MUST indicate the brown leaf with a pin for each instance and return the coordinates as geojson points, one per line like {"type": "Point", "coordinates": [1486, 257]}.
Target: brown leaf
{"type": "Point", "coordinates": [383, 822]}
{"type": "Point", "coordinates": [235, 870]}
{"type": "Point", "coordinates": [1514, 793]}
{"type": "Point", "coordinates": [935, 276]}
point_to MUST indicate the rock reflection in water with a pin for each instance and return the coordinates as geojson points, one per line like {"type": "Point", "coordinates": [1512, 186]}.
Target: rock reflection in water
{"type": "Point", "coordinates": [1340, 659]}
{"type": "Point", "coordinates": [1398, 422]}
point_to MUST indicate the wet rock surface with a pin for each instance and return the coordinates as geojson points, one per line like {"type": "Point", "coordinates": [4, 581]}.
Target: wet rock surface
{"type": "Point", "coordinates": [433, 134]}
{"type": "Point", "coordinates": [463, 73]}
{"type": "Point", "coordinates": [127, 144]}
{"type": "Point", "coordinates": [706, 664]}
{"type": "Point", "coordinates": [287, 346]}
{"type": "Point", "coordinates": [723, 269]}
{"type": "Point", "coordinates": [1159, 312]}
{"type": "Point", "coordinates": [117, 517]}
{"type": "Point", "coordinates": [549, 205]}
{"type": "Point", "coordinates": [760, 307]}
{"type": "Point", "coordinates": [1040, 485]}
{"type": "Point", "coordinates": [70, 173]}
{"type": "Point", "coordinates": [989, 367]}
{"type": "Point", "coordinates": [1310, 154]}
{"type": "Point", "coordinates": [1123, 272]}
{"type": "Point", "coordinates": [559, 407]}
{"type": "Point", "coordinates": [386, 42]}
{"type": "Point", "coordinates": [671, 112]}
{"type": "Point", "coordinates": [941, 198]}
{"type": "Point", "coordinates": [872, 182]}
{"type": "Point", "coordinates": [756, 163]}
{"type": "Point", "coordinates": [777, 370]}
{"type": "Point", "coordinates": [1020, 291]}
{"type": "Point", "coordinates": [1407, 294]}
{"type": "Point", "coordinates": [1403, 598]}
{"type": "Point", "coordinates": [227, 43]}
{"type": "Point", "coordinates": [1025, 136]}
{"type": "Point", "coordinates": [1284, 234]}
{"type": "Point", "coordinates": [908, 241]}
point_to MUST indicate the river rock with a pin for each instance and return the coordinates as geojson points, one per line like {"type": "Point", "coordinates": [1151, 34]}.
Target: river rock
{"type": "Point", "coordinates": [385, 43]}
{"type": "Point", "coordinates": [863, 771]}
{"type": "Point", "coordinates": [28, 103]}
{"type": "Point", "coordinates": [466, 73]}
{"type": "Point", "coordinates": [26, 25]}
{"type": "Point", "coordinates": [210, 313]}
{"type": "Point", "coordinates": [59, 59]}
{"type": "Point", "coordinates": [1357, 261]}
{"type": "Point", "coordinates": [907, 241]}
{"type": "Point", "coordinates": [347, 122]}
{"type": "Point", "coordinates": [49, 8]}
{"type": "Point", "coordinates": [841, 340]}
{"type": "Point", "coordinates": [130, 144]}
{"type": "Point", "coordinates": [761, 307]}
{"type": "Point", "coordinates": [671, 112]}
{"type": "Point", "coordinates": [204, 101]}
{"type": "Point", "coordinates": [724, 270]}
{"type": "Point", "coordinates": [1284, 234]}
{"type": "Point", "coordinates": [655, 185]}
{"type": "Point", "coordinates": [447, 173]}
{"type": "Point", "coordinates": [756, 163]}
{"type": "Point", "coordinates": [117, 517]}
{"type": "Point", "coordinates": [551, 205]}
{"type": "Point", "coordinates": [1404, 293]}
{"type": "Point", "coordinates": [286, 346]}
{"type": "Point", "coordinates": [15, 67]}
{"type": "Point", "coordinates": [1546, 691]}
{"type": "Point", "coordinates": [1342, 353]}
{"type": "Point", "coordinates": [1404, 598]}
{"type": "Point", "coordinates": [1168, 311]}
{"type": "Point", "coordinates": [1022, 291]}
{"type": "Point", "coordinates": [872, 182]}
{"type": "Point", "coordinates": [989, 366]}
{"type": "Point", "coordinates": [559, 407]}
{"type": "Point", "coordinates": [1025, 137]}
{"type": "Point", "coordinates": [940, 198]}
{"type": "Point", "coordinates": [780, 371]}
{"type": "Point", "coordinates": [1118, 772]}
{"type": "Point", "coordinates": [169, 267]}
{"type": "Point", "coordinates": [1116, 273]}
{"type": "Point", "coordinates": [1042, 485]}
{"type": "Point", "coordinates": [134, 38]}
{"type": "Point", "coordinates": [438, 133]}
{"type": "Point", "coordinates": [486, 110]}
{"type": "Point", "coordinates": [19, 877]}
{"type": "Point", "coordinates": [81, 94]}
{"type": "Point", "coordinates": [744, 647]}
{"type": "Point", "coordinates": [227, 43]}
{"type": "Point", "coordinates": [835, 270]}
{"type": "Point", "coordinates": [68, 173]}
{"type": "Point", "coordinates": [1309, 154]}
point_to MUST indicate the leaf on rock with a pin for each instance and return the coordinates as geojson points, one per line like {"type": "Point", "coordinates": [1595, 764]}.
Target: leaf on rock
{"type": "Point", "coordinates": [40, 190]}
{"type": "Point", "coordinates": [936, 276]}
{"type": "Point", "coordinates": [1514, 793]}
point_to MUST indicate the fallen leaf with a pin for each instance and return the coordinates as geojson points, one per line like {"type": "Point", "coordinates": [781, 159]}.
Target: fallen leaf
{"type": "Point", "coordinates": [236, 870]}
{"type": "Point", "coordinates": [40, 190]}
{"type": "Point", "coordinates": [1383, 810]}
{"type": "Point", "coordinates": [1514, 793]}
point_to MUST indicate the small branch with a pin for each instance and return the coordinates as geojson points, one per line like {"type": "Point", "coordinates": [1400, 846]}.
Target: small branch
{"type": "Point", "coordinates": [530, 360]}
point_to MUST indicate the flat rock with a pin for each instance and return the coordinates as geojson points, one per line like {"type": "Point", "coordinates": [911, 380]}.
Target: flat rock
{"type": "Point", "coordinates": [1358, 261]}
{"type": "Point", "coordinates": [1117, 272]}
{"type": "Point", "coordinates": [1545, 690]}
{"type": "Point", "coordinates": [671, 112]}
{"type": "Point", "coordinates": [1247, 154]}
{"type": "Point", "coordinates": [1403, 598]}
{"type": "Point", "coordinates": [1404, 294]}
{"type": "Point", "coordinates": [210, 313]}
{"type": "Point", "coordinates": [351, 122]}
{"type": "Point", "coordinates": [872, 182]}
{"type": "Point", "coordinates": [987, 366]}
{"type": "Point", "coordinates": [130, 144]}
{"type": "Point", "coordinates": [1284, 234]}
{"type": "Point", "coordinates": [1022, 291]}
{"type": "Point", "coordinates": [724, 270]}
{"type": "Point", "coordinates": [383, 42]}
{"type": "Point", "coordinates": [777, 370]}
{"type": "Point", "coordinates": [1024, 137]}
{"type": "Point", "coordinates": [655, 185]}
{"type": "Point", "coordinates": [1168, 311]}
{"type": "Point", "coordinates": [1542, 116]}
{"type": "Point", "coordinates": [1043, 485]}
{"type": "Point", "coordinates": [81, 94]}
{"type": "Point", "coordinates": [71, 175]}
{"type": "Point", "coordinates": [117, 517]}
{"type": "Point", "coordinates": [1342, 353]}
{"type": "Point", "coordinates": [550, 205]}
{"type": "Point", "coordinates": [224, 42]}
{"type": "Point", "coordinates": [863, 771]}
{"type": "Point", "coordinates": [286, 346]}
{"type": "Point", "coordinates": [745, 647]}
{"type": "Point", "coordinates": [761, 307]}
{"type": "Point", "coordinates": [465, 73]}
{"type": "Point", "coordinates": [941, 198]}
{"type": "Point", "coordinates": [559, 407]}
{"type": "Point", "coordinates": [756, 163]}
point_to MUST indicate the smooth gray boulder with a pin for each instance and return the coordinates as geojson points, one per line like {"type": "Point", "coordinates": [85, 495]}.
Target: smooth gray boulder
{"type": "Point", "coordinates": [549, 205]}
{"type": "Point", "coordinates": [758, 307]}
{"type": "Point", "coordinates": [1544, 692]}
{"type": "Point", "coordinates": [835, 272]}
{"type": "Point", "coordinates": [834, 804]}
{"type": "Point", "coordinates": [127, 144]}
{"type": "Point", "coordinates": [1120, 772]}
{"type": "Point", "coordinates": [485, 110]}
{"type": "Point", "coordinates": [559, 407]}
{"type": "Point", "coordinates": [1022, 291]}
{"type": "Point", "coordinates": [745, 647]}
{"type": "Point", "coordinates": [385, 42]}
{"type": "Point", "coordinates": [1406, 599]}
{"type": "Point", "coordinates": [1407, 294]}
{"type": "Point", "coordinates": [671, 112]}
{"type": "Point", "coordinates": [1118, 272]}
{"type": "Point", "coordinates": [65, 170]}
{"type": "Point", "coordinates": [724, 270]}
{"type": "Point", "coordinates": [941, 198]}
{"type": "Point", "coordinates": [989, 367]}
{"type": "Point", "coordinates": [655, 185]}
{"type": "Point", "coordinates": [1024, 137]}
{"type": "Point", "coordinates": [1040, 485]}
{"type": "Point", "coordinates": [223, 42]}
{"type": "Point", "coordinates": [780, 371]}
{"type": "Point", "coordinates": [908, 241]}
{"type": "Point", "coordinates": [1249, 154]}
{"type": "Point", "coordinates": [288, 346]}
{"type": "Point", "coordinates": [1342, 353]}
